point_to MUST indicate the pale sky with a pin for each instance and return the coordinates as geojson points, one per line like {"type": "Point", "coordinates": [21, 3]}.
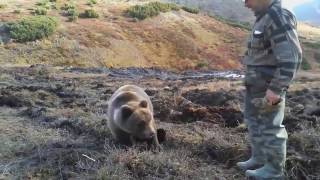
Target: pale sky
{"type": "Point", "coordinates": [292, 3]}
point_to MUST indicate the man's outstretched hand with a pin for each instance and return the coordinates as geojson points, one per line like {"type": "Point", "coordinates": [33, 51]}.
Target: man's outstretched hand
{"type": "Point", "coordinates": [272, 98]}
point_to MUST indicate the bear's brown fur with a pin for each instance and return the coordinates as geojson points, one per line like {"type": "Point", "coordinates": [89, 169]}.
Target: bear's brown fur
{"type": "Point", "coordinates": [130, 116]}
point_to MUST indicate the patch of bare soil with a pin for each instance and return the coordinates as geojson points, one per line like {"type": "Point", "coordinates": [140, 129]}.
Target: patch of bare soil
{"type": "Point", "coordinates": [53, 125]}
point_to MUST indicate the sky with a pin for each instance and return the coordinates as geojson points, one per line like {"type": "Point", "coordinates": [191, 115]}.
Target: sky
{"type": "Point", "coordinates": [292, 3]}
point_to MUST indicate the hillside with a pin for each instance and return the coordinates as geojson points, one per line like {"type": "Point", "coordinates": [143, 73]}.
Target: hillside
{"type": "Point", "coordinates": [175, 39]}
{"type": "Point", "coordinates": [310, 40]}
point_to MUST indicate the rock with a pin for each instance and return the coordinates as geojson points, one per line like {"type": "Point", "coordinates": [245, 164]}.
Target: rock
{"type": "Point", "coordinates": [298, 108]}
{"type": "Point", "coordinates": [167, 88]}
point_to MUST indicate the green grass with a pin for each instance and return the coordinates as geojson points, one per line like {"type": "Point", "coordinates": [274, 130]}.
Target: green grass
{"type": "Point", "coordinates": [54, 6]}
{"type": "Point", "coordinates": [2, 6]}
{"type": "Point", "coordinates": [90, 13]}
{"type": "Point", "coordinates": [42, 7]}
{"type": "Point", "coordinates": [150, 9]}
{"type": "Point", "coordinates": [72, 14]}
{"type": "Point", "coordinates": [70, 11]}
{"type": "Point", "coordinates": [242, 25]}
{"type": "Point", "coordinates": [17, 11]}
{"type": "Point", "coordinates": [190, 10]}
{"type": "Point", "coordinates": [91, 2]}
{"type": "Point", "coordinates": [40, 11]}
{"type": "Point", "coordinates": [305, 65]}
{"type": "Point", "coordinates": [68, 6]}
{"type": "Point", "coordinates": [42, 3]}
{"type": "Point", "coordinates": [202, 65]}
{"type": "Point", "coordinates": [32, 28]}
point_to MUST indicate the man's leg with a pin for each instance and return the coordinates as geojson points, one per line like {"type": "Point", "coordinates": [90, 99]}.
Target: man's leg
{"type": "Point", "coordinates": [275, 137]}
{"type": "Point", "coordinates": [251, 119]}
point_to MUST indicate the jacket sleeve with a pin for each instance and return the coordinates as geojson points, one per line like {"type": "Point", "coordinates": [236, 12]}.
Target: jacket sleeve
{"type": "Point", "coordinates": [286, 48]}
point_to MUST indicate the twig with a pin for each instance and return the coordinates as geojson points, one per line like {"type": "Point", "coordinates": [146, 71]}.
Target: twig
{"type": "Point", "coordinates": [89, 157]}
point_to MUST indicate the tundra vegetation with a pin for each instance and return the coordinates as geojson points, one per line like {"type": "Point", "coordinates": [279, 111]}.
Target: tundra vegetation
{"type": "Point", "coordinates": [32, 28]}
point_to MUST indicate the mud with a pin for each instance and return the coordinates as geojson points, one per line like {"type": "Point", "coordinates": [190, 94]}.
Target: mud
{"type": "Point", "coordinates": [303, 109]}
{"type": "Point", "coordinates": [204, 125]}
{"type": "Point", "coordinates": [142, 73]}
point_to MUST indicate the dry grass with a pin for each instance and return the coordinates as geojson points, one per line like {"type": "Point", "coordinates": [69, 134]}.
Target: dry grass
{"type": "Point", "coordinates": [176, 40]}
{"type": "Point", "coordinates": [56, 128]}
{"type": "Point", "coordinates": [305, 164]}
{"type": "Point", "coordinates": [309, 37]}
{"type": "Point", "coordinates": [19, 138]}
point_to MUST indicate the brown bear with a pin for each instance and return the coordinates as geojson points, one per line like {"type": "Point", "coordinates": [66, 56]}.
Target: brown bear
{"type": "Point", "coordinates": [130, 116]}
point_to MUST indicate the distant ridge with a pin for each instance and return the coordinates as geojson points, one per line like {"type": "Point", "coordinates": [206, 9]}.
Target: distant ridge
{"type": "Point", "coordinates": [309, 12]}
{"type": "Point", "coordinates": [229, 9]}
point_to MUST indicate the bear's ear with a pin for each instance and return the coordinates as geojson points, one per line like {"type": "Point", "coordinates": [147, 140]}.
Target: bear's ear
{"type": "Point", "coordinates": [144, 104]}
{"type": "Point", "coordinates": [126, 111]}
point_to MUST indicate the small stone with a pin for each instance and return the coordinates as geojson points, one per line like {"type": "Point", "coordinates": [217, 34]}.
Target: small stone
{"type": "Point", "coordinates": [298, 108]}
{"type": "Point", "coordinates": [167, 88]}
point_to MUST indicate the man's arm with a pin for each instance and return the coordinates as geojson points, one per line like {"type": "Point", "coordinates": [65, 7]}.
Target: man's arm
{"type": "Point", "coordinates": [286, 48]}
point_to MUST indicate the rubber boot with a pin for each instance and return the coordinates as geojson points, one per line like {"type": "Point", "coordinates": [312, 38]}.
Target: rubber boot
{"type": "Point", "coordinates": [256, 161]}
{"type": "Point", "coordinates": [252, 163]}
{"type": "Point", "coordinates": [274, 168]}
{"type": "Point", "coordinates": [267, 172]}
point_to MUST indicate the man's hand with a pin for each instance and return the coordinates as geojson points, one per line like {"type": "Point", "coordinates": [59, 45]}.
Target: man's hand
{"type": "Point", "coordinates": [272, 98]}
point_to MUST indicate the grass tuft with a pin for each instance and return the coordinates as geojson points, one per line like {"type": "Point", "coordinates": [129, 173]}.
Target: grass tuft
{"type": "Point", "coordinates": [91, 2]}
{"type": "Point", "coordinates": [150, 10]}
{"type": "Point", "coordinates": [17, 11]}
{"type": "Point", "coordinates": [32, 28]}
{"type": "Point", "coordinates": [68, 6]}
{"type": "Point", "coordinates": [2, 6]}
{"type": "Point", "coordinates": [40, 11]}
{"type": "Point", "coordinates": [305, 65]}
{"type": "Point", "coordinates": [191, 10]}
{"type": "Point", "coordinates": [90, 13]}
{"type": "Point", "coordinates": [70, 11]}
{"type": "Point", "coordinates": [242, 25]}
{"type": "Point", "coordinates": [201, 65]}
{"type": "Point", "coordinates": [42, 3]}
{"type": "Point", "coordinates": [72, 14]}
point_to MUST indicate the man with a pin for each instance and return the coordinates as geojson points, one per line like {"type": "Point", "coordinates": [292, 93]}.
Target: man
{"type": "Point", "coordinates": [272, 60]}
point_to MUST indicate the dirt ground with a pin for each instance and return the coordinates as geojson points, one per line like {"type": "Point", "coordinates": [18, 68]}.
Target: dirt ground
{"type": "Point", "coordinates": [53, 125]}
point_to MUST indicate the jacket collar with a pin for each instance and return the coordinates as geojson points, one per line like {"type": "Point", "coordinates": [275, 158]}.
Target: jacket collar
{"type": "Point", "coordinates": [273, 3]}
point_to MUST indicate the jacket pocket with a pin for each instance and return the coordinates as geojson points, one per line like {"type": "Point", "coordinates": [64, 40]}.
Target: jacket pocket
{"type": "Point", "coordinates": [257, 40]}
{"type": "Point", "coordinates": [256, 81]}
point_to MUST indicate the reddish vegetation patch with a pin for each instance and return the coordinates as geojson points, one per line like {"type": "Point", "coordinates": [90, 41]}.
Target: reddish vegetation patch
{"type": "Point", "coordinates": [92, 32]}
{"type": "Point", "coordinates": [172, 44]}
{"type": "Point", "coordinates": [174, 40]}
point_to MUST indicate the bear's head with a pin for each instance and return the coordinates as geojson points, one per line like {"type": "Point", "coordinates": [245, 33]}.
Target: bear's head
{"type": "Point", "coordinates": [136, 119]}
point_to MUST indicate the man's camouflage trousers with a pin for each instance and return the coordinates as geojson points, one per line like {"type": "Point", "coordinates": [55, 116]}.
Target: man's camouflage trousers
{"type": "Point", "coordinates": [267, 135]}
